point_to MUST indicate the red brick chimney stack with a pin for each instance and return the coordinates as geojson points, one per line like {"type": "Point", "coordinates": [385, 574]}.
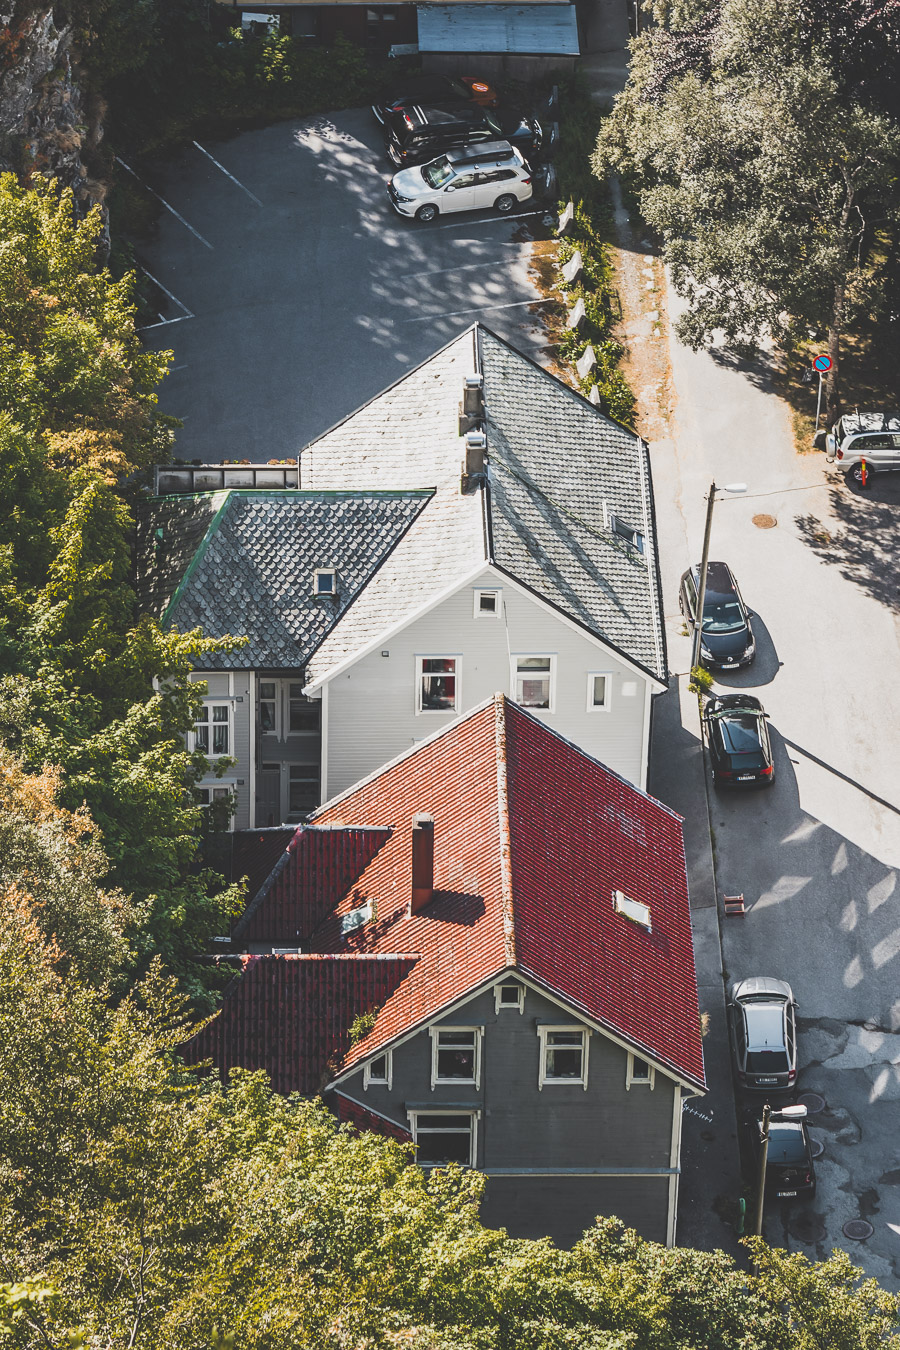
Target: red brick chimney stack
{"type": "Point", "coordinates": [422, 862]}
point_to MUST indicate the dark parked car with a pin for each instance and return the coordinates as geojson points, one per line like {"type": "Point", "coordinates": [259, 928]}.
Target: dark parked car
{"type": "Point", "coordinates": [762, 1021]}
{"type": "Point", "coordinates": [739, 747]}
{"type": "Point", "coordinates": [789, 1166]}
{"type": "Point", "coordinates": [419, 133]}
{"type": "Point", "coordinates": [726, 638]}
{"type": "Point", "coordinates": [434, 89]}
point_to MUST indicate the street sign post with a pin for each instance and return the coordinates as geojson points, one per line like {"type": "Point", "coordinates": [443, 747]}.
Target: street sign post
{"type": "Point", "coordinates": [822, 364]}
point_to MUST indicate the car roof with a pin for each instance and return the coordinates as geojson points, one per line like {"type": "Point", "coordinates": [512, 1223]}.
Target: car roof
{"type": "Point", "coordinates": [718, 577]}
{"type": "Point", "coordinates": [760, 986]}
{"type": "Point", "coordinates": [484, 152]}
{"type": "Point", "coordinates": [448, 114]}
{"type": "Point", "coordinates": [854, 422]}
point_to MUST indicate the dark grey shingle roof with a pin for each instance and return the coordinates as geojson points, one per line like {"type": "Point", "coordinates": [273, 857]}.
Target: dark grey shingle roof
{"type": "Point", "coordinates": [252, 573]}
{"type": "Point", "coordinates": [168, 533]}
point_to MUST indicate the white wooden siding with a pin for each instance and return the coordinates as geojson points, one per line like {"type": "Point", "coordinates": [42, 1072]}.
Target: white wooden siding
{"type": "Point", "coordinates": [371, 706]}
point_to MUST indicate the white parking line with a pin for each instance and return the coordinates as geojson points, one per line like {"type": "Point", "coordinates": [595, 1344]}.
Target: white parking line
{"type": "Point", "coordinates": [456, 313]}
{"type": "Point", "coordinates": [195, 233]}
{"type": "Point", "coordinates": [227, 174]}
{"type": "Point", "coordinates": [464, 267]}
{"type": "Point", "coordinates": [173, 298]}
{"type": "Point", "coordinates": [489, 220]}
{"type": "Point", "coordinates": [163, 323]}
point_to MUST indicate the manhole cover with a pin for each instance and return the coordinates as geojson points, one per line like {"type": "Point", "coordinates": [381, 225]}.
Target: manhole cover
{"type": "Point", "coordinates": [816, 1148]}
{"type": "Point", "coordinates": [765, 522]}
{"type": "Point", "coordinates": [858, 1230]}
{"type": "Point", "coordinates": [812, 1101]}
{"type": "Point", "coordinates": [807, 1228]}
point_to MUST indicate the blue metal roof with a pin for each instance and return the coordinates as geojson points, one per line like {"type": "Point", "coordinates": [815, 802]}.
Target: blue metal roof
{"type": "Point", "coordinates": [534, 28]}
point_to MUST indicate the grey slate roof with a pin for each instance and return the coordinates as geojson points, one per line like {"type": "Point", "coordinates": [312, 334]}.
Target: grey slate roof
{"type": "Point", "coordinates": [250, 572]}
{"type": "Point", "coordinates": [559, 469]}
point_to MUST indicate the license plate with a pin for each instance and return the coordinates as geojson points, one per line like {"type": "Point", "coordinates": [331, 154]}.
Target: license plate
{"type": "Point", "coordinates": [783, 1195]}
{"type": "Point", "coordinates": [746, 777]}
{"type": "Point", "coordinates": [729, 665]}
{"type": "Point", "coordinates": [767, 1080]}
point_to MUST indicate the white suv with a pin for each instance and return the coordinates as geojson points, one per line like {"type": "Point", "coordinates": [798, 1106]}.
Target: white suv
{"type": "Point", "coordinates": [491, 174]}
{"type": "Point", "coordinates": [864, 443]}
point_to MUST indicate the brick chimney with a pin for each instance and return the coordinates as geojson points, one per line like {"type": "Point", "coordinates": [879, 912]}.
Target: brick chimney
{"type": "Point", "coordinates": [422, 862]}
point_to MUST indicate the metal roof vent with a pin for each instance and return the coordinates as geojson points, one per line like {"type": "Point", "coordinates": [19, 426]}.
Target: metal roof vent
{"type": "Point", "coordinates": [476, 446]}
{"type": "Point", "coordinates": [471, 410]}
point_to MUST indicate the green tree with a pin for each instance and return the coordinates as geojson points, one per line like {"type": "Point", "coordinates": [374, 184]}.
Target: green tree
{"type": "Point", "coordinates": [770, 182]}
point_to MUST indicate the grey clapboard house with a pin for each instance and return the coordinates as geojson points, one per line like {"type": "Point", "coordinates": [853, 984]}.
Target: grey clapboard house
{"type": "Point", "coordinates": [531, 569]}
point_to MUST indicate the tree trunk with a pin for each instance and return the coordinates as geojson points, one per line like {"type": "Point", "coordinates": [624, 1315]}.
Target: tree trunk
{"type": "Point", "coordinates": [835, 332]}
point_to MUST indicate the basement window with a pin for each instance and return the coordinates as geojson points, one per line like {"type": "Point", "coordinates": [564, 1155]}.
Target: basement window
{"type": "Point", "coordinates": [633, 910]}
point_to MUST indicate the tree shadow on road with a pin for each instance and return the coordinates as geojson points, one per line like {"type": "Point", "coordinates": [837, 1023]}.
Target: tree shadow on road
{"type": "Point", "coordinates": [865, 543]}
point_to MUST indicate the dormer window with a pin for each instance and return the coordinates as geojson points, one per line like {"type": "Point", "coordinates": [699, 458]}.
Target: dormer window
{"type": "Point", "coordinates": [632, 909]}
{"type": "Point", "coordinates": [325, 581]}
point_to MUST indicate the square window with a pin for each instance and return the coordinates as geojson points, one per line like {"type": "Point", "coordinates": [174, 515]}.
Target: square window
{"type": "Point", "coordinates": [488, 604]}
{"type": "Point", "coordinates": [534, 678]}
{"type": "Point", "coordinates": [378, 1071]}
{"type": "Point", "coordinates": [438, 683]}
{"type": "Point", "coordinates": [639, 1072]}
{"type": "Point", "coordinates": [599, 688]}
{"type": "Point", "coordinates": [325, 581]}
{"type": "Point", "coordinates": [510, 995]}
{"type": "Point", "coordinates": [444, 1137]}
{"type": "Point", "coordinates": [563, 1055]}
{"type": "Point", "coordinates": [455, 1055]}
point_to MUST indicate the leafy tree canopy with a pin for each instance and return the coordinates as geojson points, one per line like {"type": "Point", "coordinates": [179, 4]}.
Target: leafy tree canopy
{"type": "Point", "coordinates": [768, 174]}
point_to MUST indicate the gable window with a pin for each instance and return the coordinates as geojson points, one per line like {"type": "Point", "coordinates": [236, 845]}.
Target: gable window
{"type": "Point", "coordinates": [455, 1055]}
{"type": "Point", "coordinates": [444, 1137]}
{"type": "Point", "coordinates": [378, 1072]}
{"type": "Point", "coordinates": [325, 581]}
{"type": "Point", "coordinates": [509, 995]}
{"type": "Point", "coordinates": [488, 604]}
{"type": "Point", "coordinates": [599, 688]}
{"type": "Point", "coordinates": [632, 537]}
{"type": "Point", "coordinates": [212, 730]}
{"type": "Point", "coordinates": [534, 681]}
{"type": "Point", "coordinates": [438, 684]}
{"type": "Point", "coordinates": [564, 1055]}
{"type": "Point", "coordinates": [639, 1072]}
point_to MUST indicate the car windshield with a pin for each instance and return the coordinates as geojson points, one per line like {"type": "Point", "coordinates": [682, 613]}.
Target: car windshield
{"type": "Point", "coordinates": [436, 174]}
{"type": "Point", "coordinates": [493, 123]}
{"type": "Point", "coordinates": [740, 735]}
{"type": "Point", "coordinates": [722, 614]}
{"type": "Point", "coordinates": [786, 1144]}
{"type": "Point", "coordinates": [766, 1061]}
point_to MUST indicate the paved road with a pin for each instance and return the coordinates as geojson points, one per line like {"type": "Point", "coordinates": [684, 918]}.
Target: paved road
{"type": "Point", "coordinates": [816, 855]}
{"type": "Point", "coordinates": [307, 294]}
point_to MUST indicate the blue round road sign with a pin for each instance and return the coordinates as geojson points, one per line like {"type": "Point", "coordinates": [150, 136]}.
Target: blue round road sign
{"type": "Point", "coordinates": [822, 363]}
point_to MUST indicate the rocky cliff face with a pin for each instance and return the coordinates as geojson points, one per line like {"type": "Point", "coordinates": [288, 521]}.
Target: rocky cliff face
{"type": "Point", "coordinates": [48, 125]}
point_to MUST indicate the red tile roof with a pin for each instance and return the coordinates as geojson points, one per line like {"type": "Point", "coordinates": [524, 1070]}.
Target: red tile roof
{"type": "Point", "coordinates": [255, 852]}
{"type": "Point", "coordinates": [532, 837]}
{"type": "Point", "coordinates": [366, 1119]}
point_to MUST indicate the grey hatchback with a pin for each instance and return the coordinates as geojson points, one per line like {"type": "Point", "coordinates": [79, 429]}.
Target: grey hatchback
{"type": "Point", "coordinates": [762, 1020]}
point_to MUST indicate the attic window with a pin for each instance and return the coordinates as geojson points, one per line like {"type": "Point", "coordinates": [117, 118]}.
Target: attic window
{"type": "Point", "coordinates": [509, 995]}
{"type": "Point", "coordinates": [632, 537]}
{"type": "Point", "coordinates": [632, 909]}
{"type": "Point", "coordinates": [355, 919]}
{"type": "Point", "coordinates": [325, 581]}
{"type": "Point", "coordinates": [487, 604]}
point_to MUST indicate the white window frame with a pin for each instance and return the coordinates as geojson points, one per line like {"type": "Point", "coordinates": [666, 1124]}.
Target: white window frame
{"type": "Point", "coordinates": [636, 911]}
{"type": "Point", "coordinates": [544, 1079]}
{"type": "Point", "coordinates": [420, 675]}
{"type": "Point", "coordinates": [218, 784]}
{"type": "Point", "coordinates": [519, 1005]}
{"type": "Point", "coordinates": [325, 572]}
{"type": "Point", "coordinates": [496, 591]}
{"type": "Point", "coordinates": [593, 707]}
{"type": "Point", "coordinates": [226, 702]}
{"type": "Point", "coordinates": [515, 658]}
{"type": "Point", "coordinates": [436, 1032]}
{"type": "Point", "coordinates": [632, 1081]}
{"type": "Point", "coordinates": [388, 1080]}
{"type": "Point", "coordinates": [276, 729]}
{"type": "Point", "coordinates": [474, 1116]}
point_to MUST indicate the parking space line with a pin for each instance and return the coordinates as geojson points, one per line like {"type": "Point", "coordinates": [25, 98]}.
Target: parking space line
{"type": "Point", "coordinates": [173, 298]}
{"type": "Point", "coordinates": [234, 180]}
{"type": "Point", "coordinates": [195, 233]}
{"type": "Point", "coordinates": [490, 220]}
{"type": "Point", "coordinates": [478, 309]}
{"type": "Point", "coordinates": [163, 323]}
{"type": "Point", "coordinates": [463, 267]}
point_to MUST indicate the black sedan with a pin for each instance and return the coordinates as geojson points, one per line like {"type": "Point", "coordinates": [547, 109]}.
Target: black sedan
{"type": "Point", "coordinates": [434, 89]}
{"type": "Point", "coordinates": [420, 133]}
{"type": "Point", "coordinates": [790, 1174]}
{"type": "Point", "coordinates": [737, 733]}
{"type": "Point", "coordinates": [726, 638]}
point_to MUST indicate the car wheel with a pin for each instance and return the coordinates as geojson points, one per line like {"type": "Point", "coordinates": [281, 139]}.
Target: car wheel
{"type": "Point", "coordinates": [505, 203]}
{"type": "Point", "coordinates": [859, 477]}
{"type": "Point", "coordinates": [426, 213]}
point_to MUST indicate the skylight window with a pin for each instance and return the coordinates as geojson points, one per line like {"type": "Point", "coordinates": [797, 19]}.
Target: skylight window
{"type": "Point", "coordinates": [355, 919]}
{"type": "Point", "coordinates": [632, 909]}
{"type": "Point", "coordinates": [632, 537]}
{"type": "Point", "coordinates": [325, 581]}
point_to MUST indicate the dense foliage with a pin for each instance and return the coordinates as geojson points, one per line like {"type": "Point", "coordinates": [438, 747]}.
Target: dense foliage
{"type": "Point", "coordinates": [78, 416]}
{"type": "Point", "coordinates": [764, 143]}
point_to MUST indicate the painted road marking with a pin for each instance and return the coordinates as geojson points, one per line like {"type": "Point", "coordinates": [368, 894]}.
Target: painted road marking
{"type": "Point", "coordinates": [163, 323]}
{"type": "Point", "coordinates": [464, 267]}
{"type": "Point", "coordinates": [490, 220]}
{"type": "Point", "coordinates": [234, 180]}
{"type": "Point", "coordinates": [478, 309]}
{"type": "Point", "coordinates": [173, 298]}
{"type": "Point", "coordinates": [187, 226]}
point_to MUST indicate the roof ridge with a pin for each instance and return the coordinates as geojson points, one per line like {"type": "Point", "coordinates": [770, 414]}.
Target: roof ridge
{"type": "Point", "coordinates": [506, 890]}
{"type": "Point", "coordinates": [204, 542]}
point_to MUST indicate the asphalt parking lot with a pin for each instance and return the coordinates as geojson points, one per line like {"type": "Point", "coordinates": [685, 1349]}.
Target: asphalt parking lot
{"type": "Point", "coordinates": [295, 292]}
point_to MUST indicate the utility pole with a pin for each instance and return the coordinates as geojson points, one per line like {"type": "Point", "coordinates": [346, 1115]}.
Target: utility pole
{"type": "Point", "coordinates": [761, 1181]}
{"type": "Point", "coordinates": [701, 598]}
